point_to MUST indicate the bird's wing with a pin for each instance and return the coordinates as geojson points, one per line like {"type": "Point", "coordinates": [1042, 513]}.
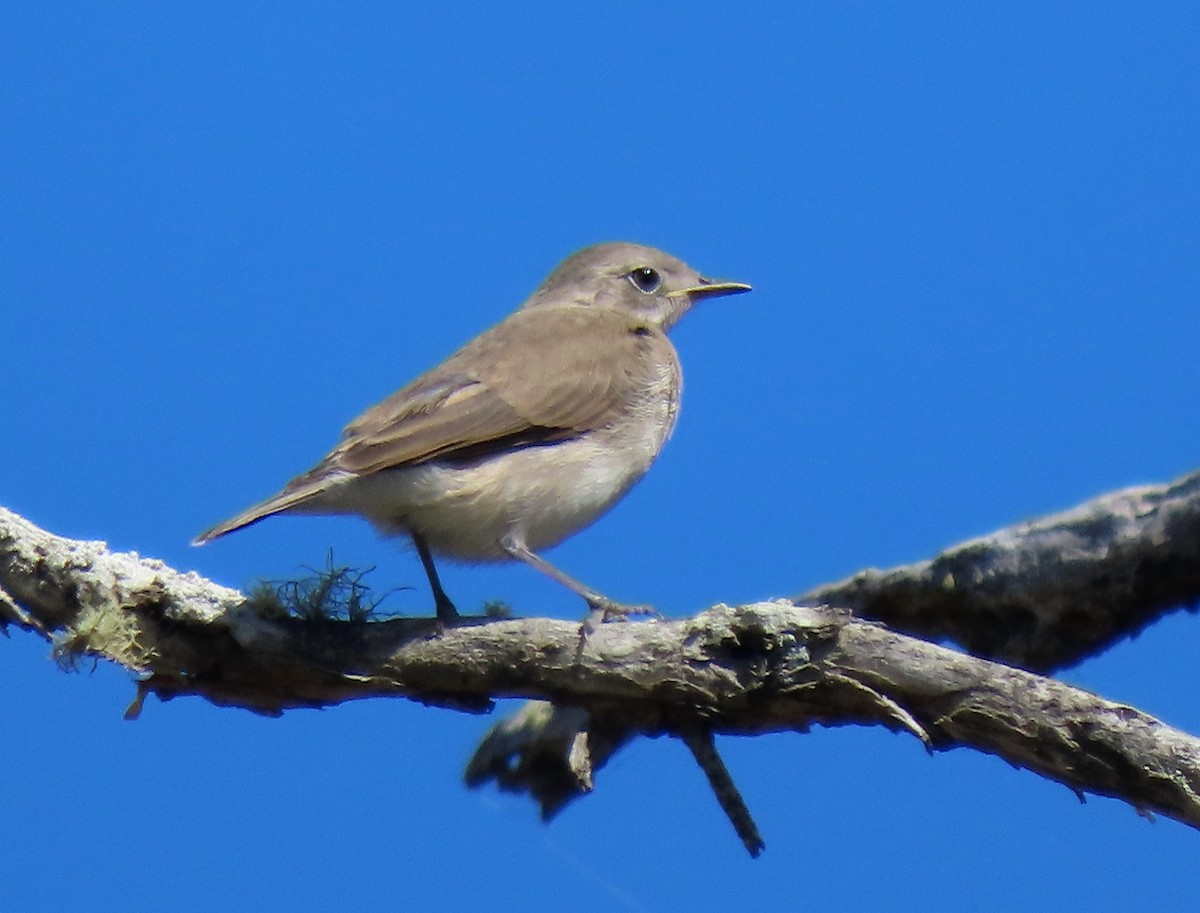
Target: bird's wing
{"type": "Point", "coordinates": [541, 376]}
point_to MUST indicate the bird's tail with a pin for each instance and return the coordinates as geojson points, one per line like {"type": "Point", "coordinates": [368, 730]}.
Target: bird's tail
{"type": "Point", "coordinates": [286, 500]}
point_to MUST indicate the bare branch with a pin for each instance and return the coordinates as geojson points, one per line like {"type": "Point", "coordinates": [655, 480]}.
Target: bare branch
{"type": "Point", "coordinates": [1046, 594]}
{"type": "Point", "coordinates": [746, 670]}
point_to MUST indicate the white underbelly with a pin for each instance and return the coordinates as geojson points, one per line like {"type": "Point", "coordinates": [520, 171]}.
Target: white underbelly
{"type": "Point", "coordinates": [539, 494]}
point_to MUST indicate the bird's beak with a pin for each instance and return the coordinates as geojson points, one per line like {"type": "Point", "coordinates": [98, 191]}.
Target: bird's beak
{"type": "Point", "coordinates": [709, 289]}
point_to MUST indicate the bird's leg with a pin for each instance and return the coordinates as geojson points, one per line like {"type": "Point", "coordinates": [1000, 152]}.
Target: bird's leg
{"type": "Point", "coordinates": [446, 612]}
{"type": "Point", "coordinates": [601, 607]}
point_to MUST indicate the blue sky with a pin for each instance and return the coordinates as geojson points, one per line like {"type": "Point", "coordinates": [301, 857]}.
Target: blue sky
{"type": "Point", "coordinates": [226, 229]}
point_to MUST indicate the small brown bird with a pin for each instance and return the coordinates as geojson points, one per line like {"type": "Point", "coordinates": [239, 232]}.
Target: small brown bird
{"type": "Point", "coordinates": [525, 435]}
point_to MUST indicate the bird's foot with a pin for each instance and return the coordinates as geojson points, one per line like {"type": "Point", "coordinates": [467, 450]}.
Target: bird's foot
{"type": "Point", "coordinates": [447, 614]}
{"type": "Point", "coordinates": [602, 610]}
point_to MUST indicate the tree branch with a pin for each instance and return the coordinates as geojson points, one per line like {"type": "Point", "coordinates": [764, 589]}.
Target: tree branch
{"type": "Point", "coordinates": [745, 670]}
{"type": "Point", "coordinates": [1046, 594]}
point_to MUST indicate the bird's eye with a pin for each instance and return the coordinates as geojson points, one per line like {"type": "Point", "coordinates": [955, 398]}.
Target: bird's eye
{"type": "Point", "coordinates": [646, 279]}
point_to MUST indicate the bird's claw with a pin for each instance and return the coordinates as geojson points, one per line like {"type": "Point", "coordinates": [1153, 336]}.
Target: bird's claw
{"type": "Point", "coordinates": [602, 610]}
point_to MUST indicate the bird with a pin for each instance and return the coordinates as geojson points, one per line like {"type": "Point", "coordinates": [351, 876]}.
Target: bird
{"type": "Point", "coordinates": [525, 435]}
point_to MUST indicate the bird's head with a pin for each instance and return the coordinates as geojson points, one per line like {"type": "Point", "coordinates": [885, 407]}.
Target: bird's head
{"type": "Point", "coordinates": [630, 277]}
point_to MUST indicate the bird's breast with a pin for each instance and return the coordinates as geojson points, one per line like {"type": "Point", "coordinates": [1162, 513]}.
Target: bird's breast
{"type": "Point", "coordinates": [542, 493]}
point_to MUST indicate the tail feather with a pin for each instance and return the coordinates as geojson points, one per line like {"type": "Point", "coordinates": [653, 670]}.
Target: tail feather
{"type": "Point", "coordinates": [283, 502]}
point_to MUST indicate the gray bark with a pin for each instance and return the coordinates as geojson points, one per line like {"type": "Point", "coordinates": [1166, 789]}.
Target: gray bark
{"type": "Point", "coordinates": [1043, 593]}
{"type": "Point", "coordinates": [1047, 594]}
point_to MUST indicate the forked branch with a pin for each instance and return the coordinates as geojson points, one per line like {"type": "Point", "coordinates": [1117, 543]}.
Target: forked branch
{"type": "Point", "coordinates": [1045, 593]}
